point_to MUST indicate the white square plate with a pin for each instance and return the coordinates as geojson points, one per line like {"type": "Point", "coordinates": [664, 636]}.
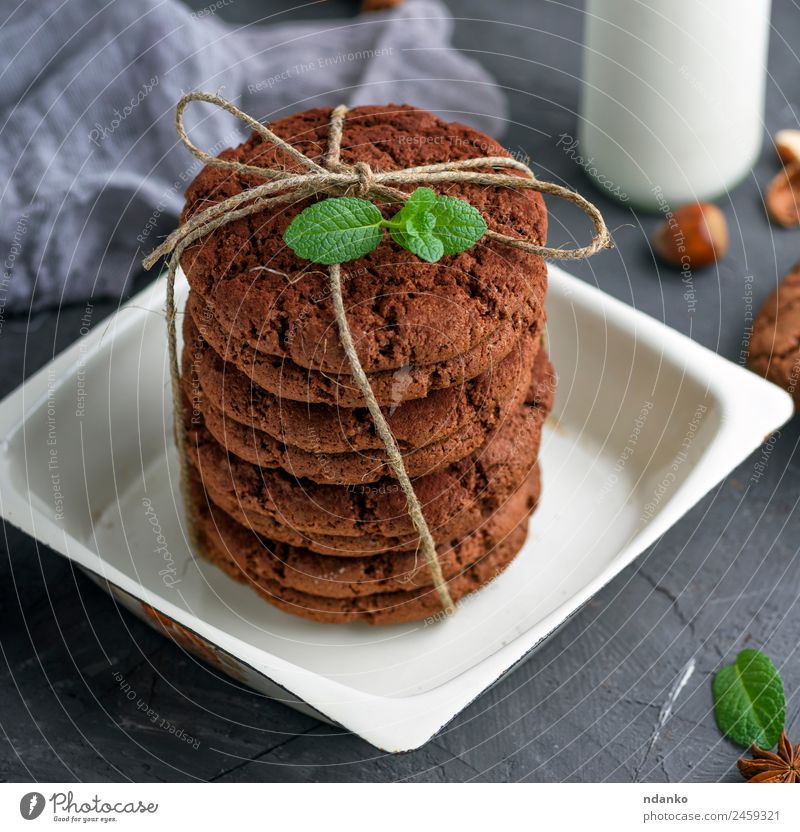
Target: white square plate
{"type": "Point", "coordinates": [645, 423]}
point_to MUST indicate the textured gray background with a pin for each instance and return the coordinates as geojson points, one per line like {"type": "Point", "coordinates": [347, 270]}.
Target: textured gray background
{"type": "Point", "coordinates": [586, 706]}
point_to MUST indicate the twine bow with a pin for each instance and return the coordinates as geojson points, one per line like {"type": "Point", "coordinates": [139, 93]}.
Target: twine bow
{"type": "Point", "coordinates": [335, 178]}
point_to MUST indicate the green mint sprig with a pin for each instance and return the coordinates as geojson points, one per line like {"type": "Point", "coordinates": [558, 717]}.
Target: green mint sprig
{"type": "Point", "coordinates": [345, 228]}
{"type": "Point", "coordinates": [749, 700]}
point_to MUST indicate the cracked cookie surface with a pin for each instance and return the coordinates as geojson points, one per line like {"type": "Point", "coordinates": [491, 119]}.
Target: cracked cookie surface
{"type": "Point", "coordinates": [323, 428]}
{"type": "Point", "coordinates": [475, 408]}
{"type": "Point", "coordinates": [300, 569]}
{"type": "Point", "coordinates": [775, 341]}
{"type": "Point", "coordinates": [363, 519]}
{"type": "Point", "coordinates": [397, 607]}
{"type": "Point", "coordinates": [285, 379]}
{"type": "Point", "coordinates": [402, 311]}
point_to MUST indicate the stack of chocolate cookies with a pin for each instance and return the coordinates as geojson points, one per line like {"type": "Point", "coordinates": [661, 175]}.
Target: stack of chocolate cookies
{"type": "Point", "coordinates": [290, 486]}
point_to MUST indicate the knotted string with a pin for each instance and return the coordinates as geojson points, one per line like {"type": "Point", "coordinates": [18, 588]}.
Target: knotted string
{"type": "Point", "coordinates": [334, 179]}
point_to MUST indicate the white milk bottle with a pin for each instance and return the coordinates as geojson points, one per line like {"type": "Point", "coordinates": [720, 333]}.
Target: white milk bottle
{"type": "Point", "coordinates": [673, 96]}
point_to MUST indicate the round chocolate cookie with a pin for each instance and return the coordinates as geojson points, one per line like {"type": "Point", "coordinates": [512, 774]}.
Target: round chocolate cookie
{"type": "Point", "coordinates": [287, 380]}
{"type": "Point", "coordinates": [402, 310]}
{"type": "Point", "coordinates": [455, 500]}
{"type": "Point", "coordinates": [367, 518]}
{"type": "Point", "coordinates": [327, 429]}
{"type": "Point", "coordinates": [358, 467]}
{"type": "Point", "coordinates": [384, 608]}
{"type": "Point", "coordinates": [292, 567]}
{"type": "Point", "coordinates": [775, 341]}
{"type": "Point", "coordinates": [340, 469]}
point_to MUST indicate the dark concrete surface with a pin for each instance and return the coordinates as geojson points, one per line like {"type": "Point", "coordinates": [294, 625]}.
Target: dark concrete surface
{"type": "Point", "coordinates": [587, 705]}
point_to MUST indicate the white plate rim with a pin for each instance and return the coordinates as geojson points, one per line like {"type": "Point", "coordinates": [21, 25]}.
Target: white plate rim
{"type": "Point", "coordinates": [752, 408]}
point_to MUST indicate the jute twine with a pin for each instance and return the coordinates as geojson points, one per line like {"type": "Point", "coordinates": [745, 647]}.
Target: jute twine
{"type": "Point", "coordinates": [335, 178]}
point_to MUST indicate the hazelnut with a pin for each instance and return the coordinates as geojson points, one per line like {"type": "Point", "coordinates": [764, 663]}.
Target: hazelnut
{"type": "Point", "coordinates": [783, 196]}
{"type": "Point", "coordinates": [787, 143]}
{"type": "Point", "coordinates": [694, 236]}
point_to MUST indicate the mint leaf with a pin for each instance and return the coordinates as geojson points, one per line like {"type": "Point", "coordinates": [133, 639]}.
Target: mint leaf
{"type": "Point", "coordinates": [344, 228]}
{"type": "Point", "coordinates": [426, 245]}
{"type": "Point", "coordinates": [431, 226]}
{"type": "Point", "coordinates": [412, 225]}
{"type": "Point", "coordinates": [335, 230]}
{"type": "Point", "coordinates": [749, 701]}
{"type": "Point", "coordinates": [417, 235]}
{"type": "Point", "coordinates": [421, 223]}
{"type": "Point", "coordinates": [418, 204]}
{"type": "Point", "coordinates": [459, 225]}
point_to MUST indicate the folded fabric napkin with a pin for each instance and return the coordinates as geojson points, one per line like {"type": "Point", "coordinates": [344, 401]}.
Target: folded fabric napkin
{"type": "Point", "coordinates": [92, 171]}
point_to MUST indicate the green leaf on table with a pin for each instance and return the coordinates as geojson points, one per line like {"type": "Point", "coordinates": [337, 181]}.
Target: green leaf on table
{"type": "Point", "coordinates": [749, 701]}
{"type": "Point", "coordinates": [335, 230]}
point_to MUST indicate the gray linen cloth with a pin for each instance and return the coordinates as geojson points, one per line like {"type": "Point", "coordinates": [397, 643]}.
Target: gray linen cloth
{"type": "Point", "coordinates": [92, 174]}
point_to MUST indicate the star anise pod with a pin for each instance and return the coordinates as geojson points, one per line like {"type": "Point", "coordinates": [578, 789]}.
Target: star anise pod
{"type": "Point", "coordinates": [769, 767]}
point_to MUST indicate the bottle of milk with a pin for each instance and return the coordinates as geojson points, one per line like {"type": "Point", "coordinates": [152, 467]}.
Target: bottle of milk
{"type": "Point", "coordinates": [673, 96]}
